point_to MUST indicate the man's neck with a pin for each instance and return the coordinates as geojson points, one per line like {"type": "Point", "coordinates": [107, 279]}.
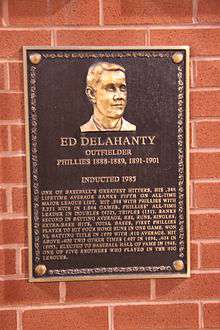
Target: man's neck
{"type": "Point", "coordinates": [107, 123]}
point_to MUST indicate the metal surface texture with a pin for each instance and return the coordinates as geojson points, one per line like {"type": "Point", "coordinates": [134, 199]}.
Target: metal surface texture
{"type": "Point", "coordinates": [107, 162]}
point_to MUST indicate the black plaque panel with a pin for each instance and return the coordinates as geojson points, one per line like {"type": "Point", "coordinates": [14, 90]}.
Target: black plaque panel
{"type": "Point", "coordinates": [108, 191]}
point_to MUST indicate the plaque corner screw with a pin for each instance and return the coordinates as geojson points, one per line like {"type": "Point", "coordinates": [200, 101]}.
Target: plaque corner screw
{"type": "Point", "coordinates": [178, 265]}
{"type": "Point", "coordinates": [35, 58]}
{"type": "Point", "coordinates": [177, 57]}
{"type": "Point", "coordinates": [40, 270]}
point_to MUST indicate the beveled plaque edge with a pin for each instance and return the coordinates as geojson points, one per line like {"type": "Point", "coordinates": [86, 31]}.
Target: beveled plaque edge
{"type": "Point", "coordinates": [28, 171]}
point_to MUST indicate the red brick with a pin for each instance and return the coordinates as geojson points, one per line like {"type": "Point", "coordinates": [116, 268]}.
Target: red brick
{"type": "Point", "coordinates": [207, 195]}
{"type": "Point", "coordinates": [194, 256]}
{"type": "Point", "coordinates": [208, 134]}
{"type": "Point", "coordinates": [60, 12]}
{"type": "Point", "coordinates": [192, 73]}
{"type": "Point", "coordinates": [204, 165]}
{"type": "Point", "coordinates": [16, 76]}
{"type": "Point", "coordinates": [13, 231]}
{"type": "Point", "coordinates": [93, 318]}
{"type": "Point", "coordinates": [196, 287]}
{"type": "Point", "coordinates": [208, 74]}
{"type": "Point", "coordinates": [1, 14]}
{"type": "Point", "coordinates": [2, 75]}
{"type": "Point", "coordinates": [12, 170]}
{"type": "Point", "coordinates": [9, 319]}
{"type": "Point", "coordinates": [18, 138]}
{"type": "Point", "coordinates": [24, 261]}
{"type": "Point", "coordinates": [3, 138]}
{"type": "Point", "coordinates": [205, 225]}
{"type": "Point", "coordinates": [147, 12]}
{"type": "Point", "coordinates": [11, 42]}
{"type": "Point", "coordinates": [3, 200]}
{"type": "Point", "coordinates": [103, 37]}
{"type": "Point", "coordinates": [191, 201]}
{"type": "Point", "coordinates": [212, 315]}
{"type": "Point", "coordinates": [190, 134]}
{"type": "Point", "coordinates": [21, 292]}
{"type": "Point", "coordinates": [208, 11]}
{"type": "Point", "coordinates": [141, 317]}
{"type": "Point", "coordinates": [7, 262]}
{"type": "Point", "coordinates": [202, 41]}
{"type": "Point", "coordinates": [205, 104]}
{"type": "Point", "coordinates": [108, 290]}
{"type": "Point", "coordinates": [19, 200]}
{"type": "Point", "coordinates": [210, 255]}
{"type": "Point", "coordinates": [12, 106]}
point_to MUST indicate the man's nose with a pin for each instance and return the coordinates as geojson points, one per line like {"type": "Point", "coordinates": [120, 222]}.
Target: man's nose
{"type": "Point", "coordinates": [119, 95]}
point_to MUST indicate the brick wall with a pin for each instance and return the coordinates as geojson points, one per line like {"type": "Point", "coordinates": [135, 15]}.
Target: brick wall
{"type": "Point", "coordinates": [113, 305]}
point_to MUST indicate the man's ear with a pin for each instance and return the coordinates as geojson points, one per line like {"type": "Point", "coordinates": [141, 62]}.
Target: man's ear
{"type": "Point", "coordinates": [91, 94]}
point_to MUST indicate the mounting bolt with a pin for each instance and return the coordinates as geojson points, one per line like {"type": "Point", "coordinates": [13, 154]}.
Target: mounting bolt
{"type": "Point", "coordinates": [35, 58]}
{"type": "Point", "coordinates": [178, 265]}
{"type": "Point", "coordinates": [40, 270]}
{"type": "Point", "coordinates": [177, 58]}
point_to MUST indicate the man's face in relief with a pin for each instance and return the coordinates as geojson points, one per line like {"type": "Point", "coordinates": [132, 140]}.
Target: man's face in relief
{"type": "Point", "coordinates": [111, 94]}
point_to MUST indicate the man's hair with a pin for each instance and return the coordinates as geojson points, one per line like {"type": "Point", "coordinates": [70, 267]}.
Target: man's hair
{"type": "Point", "coordinates": [95, 71]}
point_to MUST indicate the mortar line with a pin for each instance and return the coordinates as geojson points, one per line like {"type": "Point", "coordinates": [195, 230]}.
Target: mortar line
{"type": "Point", "coordinates": [195, 11]}
{"type": "Point", "coordinates": [9, 139]}
{"type": "Point", "coordinates": [7, 77]}
{"type": "Point", "coordinates": [12, 154]}
{"type": "Point", "coordinates": [12, 246]}
{"type": "Point", "coordinates": [5, 16]}
{"type": "Point", "coordinates": [106, 304]}
{"type": "Point", "coordinates": [149, 37]}
{"type": "Point", "coordinates": [12, 122]}
{"type": "Point", "coordinates": [192, 69]}
{"type": "Point", "coordinates": [9, 199]}
{"type": "Point", "coordinates": [207, 150]}
{"type": "Point", "coordinates": [15, 277]}
{"type": "Point", "coordinates": [204, 211]}
{"type": "Point", "coordinates": [13, 184]}
{"type": "Point", "coordinates": [52, 38]}
{"type": "Point", "coordinates": [62, 292]}
{"type": "Point", "coordinates": [101, 13]}
{"type": "Point", "coordinates": [192, 193]}
{"type": "Point", "coordinates": [201, 319]}
{"type": "Point", "coordinates": [216, 180]}
{"type": "Point", "coordinates": [195, 73]}
{"type": "Point", "coordinates": [110, 318]}
{"type": "Point", "coordinates": [13, 216]}
{"type": "Point", "coordinates": [206, 119]}
{"type": "Point", "coordinates": [199, 255]}
{"type": "Point", "coordinates": [206, 58]}
{"type": "Point", "coordinates": [205, 271]}
{"type": "Point", "coordinates": [11, 92]}
{"type": "Point", "coordinates": [18, 262]}
{"type": "Point", "coordinates": [213, 240]}
{"type": "Point", "coordinates": [19, 319]}
{"type": "Point", "coordinates": [9, 60]}
{"type": "Point", "coordinates": [55, 37]}
{"type": "Point", "coordinates": [137, 27]}
{"type": "Point", "coordinates": [205, 89]}
{"type": "Point", "coordinates": [193, 132]}
{"type": "Point", "coordinates": [152, 289]}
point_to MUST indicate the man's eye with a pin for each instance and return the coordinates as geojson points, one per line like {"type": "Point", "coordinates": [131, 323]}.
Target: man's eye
{"type": "Point", "coordinates": [110, 89]}
{"type": "Point", "coordinates": [123, 89]}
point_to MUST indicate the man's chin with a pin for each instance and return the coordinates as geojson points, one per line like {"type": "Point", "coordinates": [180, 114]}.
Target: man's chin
{"type": "Point", "coordinates": [117, 114]}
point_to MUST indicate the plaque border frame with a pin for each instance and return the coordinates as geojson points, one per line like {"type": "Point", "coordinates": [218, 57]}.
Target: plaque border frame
{"type": "Point", "coordinates": [28, 167]}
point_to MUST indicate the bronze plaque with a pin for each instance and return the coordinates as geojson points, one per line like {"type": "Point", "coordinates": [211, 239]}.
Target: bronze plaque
{"type": "Point", "coordinates": [107, 160]}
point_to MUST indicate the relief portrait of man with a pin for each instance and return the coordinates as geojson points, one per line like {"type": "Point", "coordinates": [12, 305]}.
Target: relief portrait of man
{"type": "Point", "coordinates": [107, 91]}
